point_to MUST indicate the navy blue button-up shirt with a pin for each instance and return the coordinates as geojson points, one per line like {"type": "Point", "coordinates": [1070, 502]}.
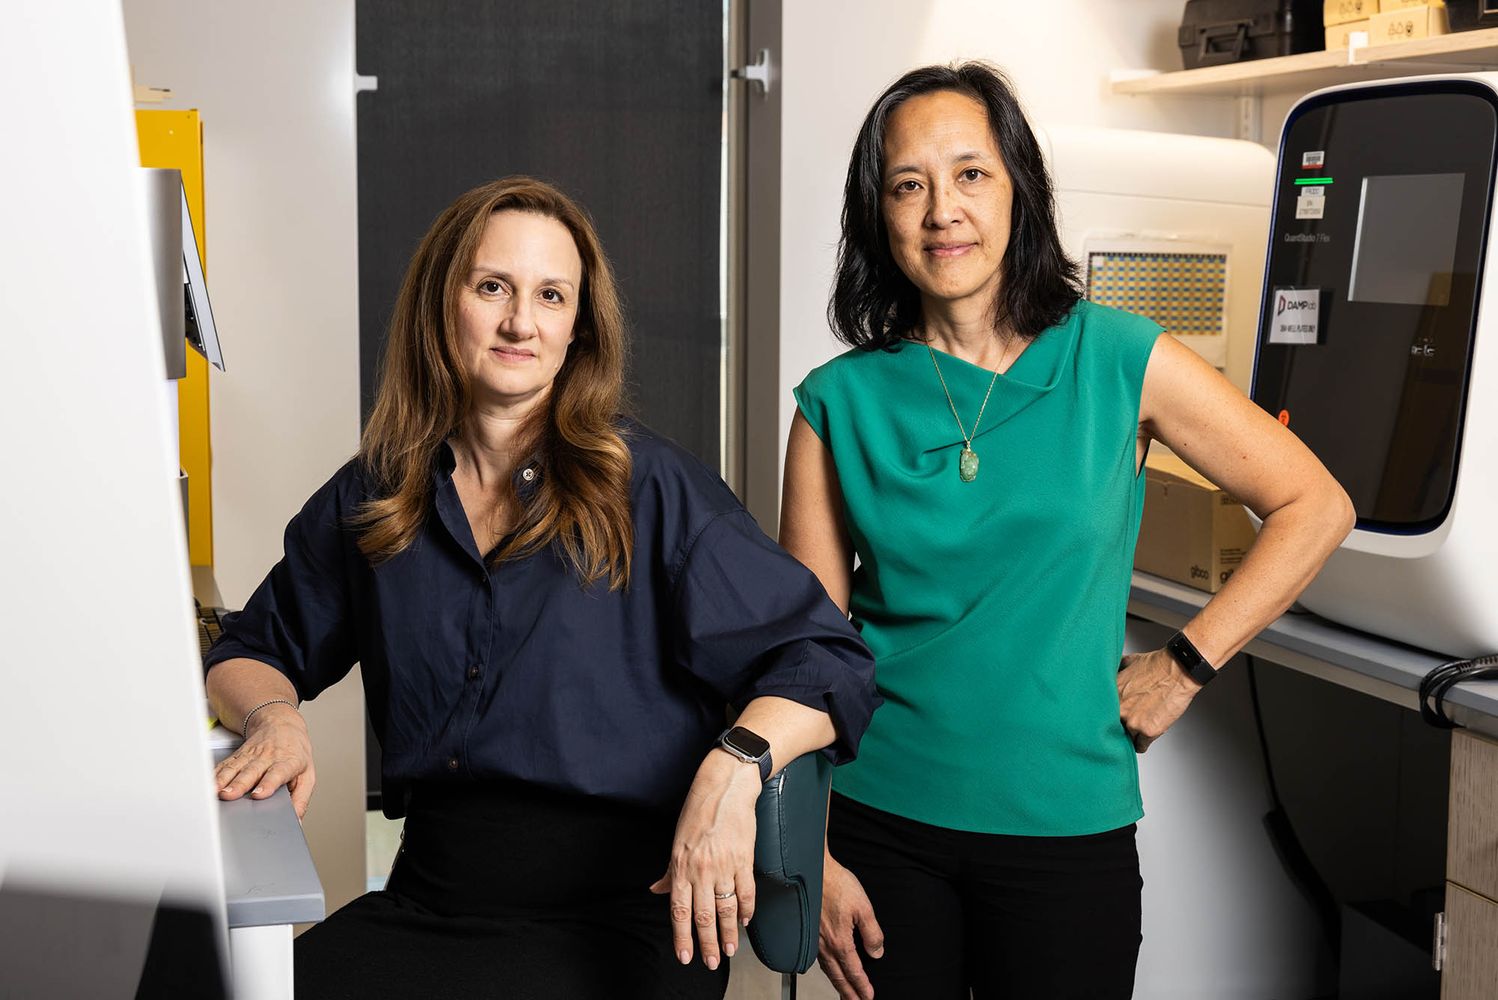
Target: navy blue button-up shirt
{"type": "Point", "coordinates": [475, 670]}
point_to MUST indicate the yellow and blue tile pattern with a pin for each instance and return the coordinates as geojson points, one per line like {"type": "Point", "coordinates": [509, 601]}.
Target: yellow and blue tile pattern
{"type": "Point", "coordinates": [1183, 292]}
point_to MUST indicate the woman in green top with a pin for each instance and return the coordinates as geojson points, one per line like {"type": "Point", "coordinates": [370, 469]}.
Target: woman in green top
{"type": "Point", "coordinates": [979, 451]}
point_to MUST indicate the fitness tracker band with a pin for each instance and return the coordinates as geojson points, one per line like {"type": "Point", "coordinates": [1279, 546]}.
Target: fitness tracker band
{"type": "Point", "coordinates": [749, 747]}
{"type": "Point", "coordinates": [1191, 661]}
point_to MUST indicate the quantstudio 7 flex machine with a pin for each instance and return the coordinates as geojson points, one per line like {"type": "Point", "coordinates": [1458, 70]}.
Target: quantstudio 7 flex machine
{"type": "Point", "coordinates": [1378, 347]}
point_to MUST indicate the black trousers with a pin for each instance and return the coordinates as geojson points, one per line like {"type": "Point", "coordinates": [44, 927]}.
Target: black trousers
{"type": "Point", "coordinates": [506, 891]}
{"type": "Point", "coordinates": [1018, 918]}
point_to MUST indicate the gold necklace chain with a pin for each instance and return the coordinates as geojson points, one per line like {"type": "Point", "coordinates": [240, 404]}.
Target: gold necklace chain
{"type": "Point", "coordinates": [967, 461]}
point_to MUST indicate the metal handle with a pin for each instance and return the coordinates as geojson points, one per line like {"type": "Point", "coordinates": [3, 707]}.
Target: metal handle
{"type": "Point", "coordinates": [757, 72]}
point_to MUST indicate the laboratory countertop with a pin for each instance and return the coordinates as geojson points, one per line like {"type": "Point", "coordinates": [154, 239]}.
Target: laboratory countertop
{"type": "Point", "coordinates": [1305, 642]}
{"type": "Point", "coordinates": [268, 873]}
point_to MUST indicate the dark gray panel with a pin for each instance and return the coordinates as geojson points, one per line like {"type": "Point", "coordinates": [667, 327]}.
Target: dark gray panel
{"type": "Point", "coordinates": [620, 104]}
{"type": "Point", "coordinates": [1364, 784]}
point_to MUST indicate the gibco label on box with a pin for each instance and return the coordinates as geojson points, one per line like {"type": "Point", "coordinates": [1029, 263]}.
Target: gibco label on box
{"type": "Point", "coordinates": [1313, 159]}
{"type": "Point", "coordinates": [1191, 531]}
{"type": "Point", "coordinates": [1295, 316]}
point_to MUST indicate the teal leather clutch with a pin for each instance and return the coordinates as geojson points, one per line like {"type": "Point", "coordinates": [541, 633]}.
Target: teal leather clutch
{"type": "Point", "coordinates": [788, 847]}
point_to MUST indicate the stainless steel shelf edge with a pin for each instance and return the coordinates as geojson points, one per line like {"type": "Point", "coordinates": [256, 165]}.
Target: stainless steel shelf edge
{"type": "Point", "coordinates": [269, 877]}
{"type": "Point", "coordinates": [1378, 667]}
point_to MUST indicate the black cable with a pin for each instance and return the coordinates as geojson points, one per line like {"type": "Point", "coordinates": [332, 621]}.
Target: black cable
{"type": "Point", "coordinates": [1282, 836]}
{"type": "Point", "coordinates": [1435, 685]}
{"type": "Point", "coordinates": [1253, 693]}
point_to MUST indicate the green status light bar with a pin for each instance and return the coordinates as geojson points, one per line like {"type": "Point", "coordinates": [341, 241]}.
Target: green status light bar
{"type": "Point", "coordinates": [1309, 181]}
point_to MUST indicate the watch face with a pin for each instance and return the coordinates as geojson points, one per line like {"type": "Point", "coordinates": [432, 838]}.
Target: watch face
{"type": "Point", "coordinates": [748, 743]}
{"type": "Point", "coordinates": [1180, 647]}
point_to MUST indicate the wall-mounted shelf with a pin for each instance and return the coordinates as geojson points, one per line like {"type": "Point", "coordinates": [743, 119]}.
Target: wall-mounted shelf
{"type": "Point", "coordinates": [1463, 51]}
{"type": "Point", "coordinates": [151, 95]}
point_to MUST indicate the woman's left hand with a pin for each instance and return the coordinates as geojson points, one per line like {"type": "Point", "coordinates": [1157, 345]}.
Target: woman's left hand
{"type": "Point", "coordinates": [711, 874]}
{"type": "Point", "coordinates": [1153, 692]}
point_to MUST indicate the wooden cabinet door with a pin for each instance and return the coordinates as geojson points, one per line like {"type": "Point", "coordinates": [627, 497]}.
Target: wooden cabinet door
{"type": "Point", "coordinates": [1472, 836]}
{"type": "Point", "coordinates": [1470, 971]}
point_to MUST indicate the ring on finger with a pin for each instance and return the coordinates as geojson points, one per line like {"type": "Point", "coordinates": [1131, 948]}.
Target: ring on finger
{"type": "Point", "coordinates": [724, 895]}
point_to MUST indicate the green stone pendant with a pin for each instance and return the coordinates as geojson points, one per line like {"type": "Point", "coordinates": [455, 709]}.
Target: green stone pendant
{"type": "Point", "coordinates": [967, 465]}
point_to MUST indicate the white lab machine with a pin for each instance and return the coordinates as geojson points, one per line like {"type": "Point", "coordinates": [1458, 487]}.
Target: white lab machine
{"type": "Point", "coordinates": [1369, 347]}
{"type": "Point", "coordinates": [1168, 226]}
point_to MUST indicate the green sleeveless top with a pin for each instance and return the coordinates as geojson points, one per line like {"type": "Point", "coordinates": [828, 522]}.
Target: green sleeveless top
{"type": "Point", "coordinates": [994, 608]}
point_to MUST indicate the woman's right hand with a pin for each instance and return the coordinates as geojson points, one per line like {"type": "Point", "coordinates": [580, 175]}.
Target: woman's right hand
{"type": "Point", "coordinates": [277, 751]}
{"type": "Point", "coordinates": [846, 909]}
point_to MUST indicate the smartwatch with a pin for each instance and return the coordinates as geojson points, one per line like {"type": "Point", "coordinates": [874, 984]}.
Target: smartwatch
{"type": "Point", "coordinates": [749, 747]}
{"type": "Point", "coordinates": [1191, 661]}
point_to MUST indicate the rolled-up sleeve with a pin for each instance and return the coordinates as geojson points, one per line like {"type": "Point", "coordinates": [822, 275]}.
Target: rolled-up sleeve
{"type": "Point", "coordinates": [753, 621]}
{"type": "Point", "coordinates": [299, 619]}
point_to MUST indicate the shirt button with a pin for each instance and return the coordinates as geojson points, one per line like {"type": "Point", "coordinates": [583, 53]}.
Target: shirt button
{"type": "Point", "coordinates": [528, 475]}
{"type": "Point", "coordinates": [452, 763]}
{"type": "Point", "coordinates": [473, 673]}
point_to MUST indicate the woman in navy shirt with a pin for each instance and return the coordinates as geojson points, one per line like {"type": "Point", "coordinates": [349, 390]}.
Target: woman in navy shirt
{"type": "Point", "coordinates": [553, 607]}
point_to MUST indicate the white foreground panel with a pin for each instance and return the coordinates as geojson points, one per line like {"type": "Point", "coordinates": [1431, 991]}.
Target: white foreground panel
{"type": "Point", "coordinates": [104, 766]}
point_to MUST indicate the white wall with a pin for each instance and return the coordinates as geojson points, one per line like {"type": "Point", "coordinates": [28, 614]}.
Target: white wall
{"type": "Point", "coordinates": [1273, 110]}
{"type": "Point", "coordinates": [840, 54]}
{"type": "Point", "coordinates": [274, 83]}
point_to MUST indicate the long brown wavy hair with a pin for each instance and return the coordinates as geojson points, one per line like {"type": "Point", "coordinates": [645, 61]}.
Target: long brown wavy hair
{"type": "Point", "coordinates": [582, 500]}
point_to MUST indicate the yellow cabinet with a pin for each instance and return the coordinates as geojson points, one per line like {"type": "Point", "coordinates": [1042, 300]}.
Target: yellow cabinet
{"type": "Point", "coordinates": [174, 140]}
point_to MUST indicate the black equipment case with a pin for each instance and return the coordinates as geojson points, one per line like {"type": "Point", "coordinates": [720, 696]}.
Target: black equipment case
{"type": "Point", "coordinates": [1214, 32]}
{"type": "Point", "coordinates": [1467, 15]}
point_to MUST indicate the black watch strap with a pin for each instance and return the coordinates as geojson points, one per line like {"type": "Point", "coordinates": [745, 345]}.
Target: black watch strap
{"type": "Point", "coordinates": [749, 747]}
{"type": "Point", "coordinates": [1190, 659]}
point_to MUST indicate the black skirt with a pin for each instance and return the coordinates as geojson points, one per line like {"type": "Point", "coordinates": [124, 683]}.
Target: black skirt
{"type": "Point", "coordinates": [507, 891]}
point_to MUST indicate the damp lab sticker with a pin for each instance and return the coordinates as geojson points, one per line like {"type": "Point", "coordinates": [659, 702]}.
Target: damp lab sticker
{"type": "Point", "coordinates": [1295, 316]}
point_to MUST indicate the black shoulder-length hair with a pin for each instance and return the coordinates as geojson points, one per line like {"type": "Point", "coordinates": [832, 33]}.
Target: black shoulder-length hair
{"type": "Point", "coordinates": [873, 304]}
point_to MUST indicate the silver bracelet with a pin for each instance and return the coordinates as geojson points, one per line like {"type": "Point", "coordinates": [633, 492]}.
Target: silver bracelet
{"type": "Point", "coordinates": [244, 729]}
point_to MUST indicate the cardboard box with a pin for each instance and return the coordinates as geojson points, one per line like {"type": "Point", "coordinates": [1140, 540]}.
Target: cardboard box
{"type": "Point", "coordinates": [1192, 532]}
{"type": "Point", "coordinates": [1385, 6]}
{"type": "Point", "coordinates": [1336, 35]}
{"type": "Point", "coordinates": [1342, 11]}
{"type": "Point", "coordinates": [1403, 25]}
